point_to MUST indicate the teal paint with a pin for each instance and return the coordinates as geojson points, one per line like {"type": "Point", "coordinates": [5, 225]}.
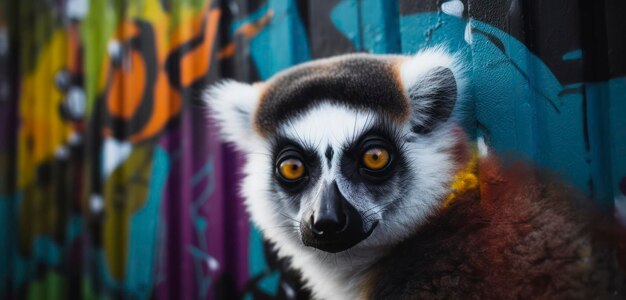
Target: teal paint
{"type": "Point", "coordinates": [600, 152]}
{"type": "Point", "coordinates": [607, 135]}
{"type": "Point", "coordinates": [201, 255]}
{"type": "Point", "coordinates": [573, 55]}
{"type": "Point", "coordinates": [47, 250]}
{"type": "Point", "coordinates": [371, 25]}
{"type": "Point", "coordinates": [383, 31]}
{"type": "Point", "coordinates": [143, 231]}
{"type": "Point", "coordinates": [617, 128]}
{"type": "Point", "coordinates": [23, 269]}
{"type": "Point", "coordinates": [379, 26]}
{"type": "Point", "coordinates": [282, 43]}
{"type": "Point", "coordinates": [207, 170]}
{"type": "Point", "coordinates": [345, 16]}
{"type": "Point", "coordinates": [7, 242]}
{"type": "Point", "coordinates": [517, 99]}
{"type": "Point", "coordinates": [519, 106]}
{"type": "Point", "coordinates": [74, 227]}
{"type": "Point", "coordinates": [419, 31]}
{"type": "Point", "coordinates": [258, 265]}
{"type": "Point", "coordinates": [512, 84]}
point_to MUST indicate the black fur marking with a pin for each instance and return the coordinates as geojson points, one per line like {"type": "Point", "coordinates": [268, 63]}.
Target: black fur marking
{"type": "Point", "coordinates": [351, 165]}
{"type": "Point", "coordinates": [306, 154]}
{"type": "Point", "coordinates": [359, 81]}
{"type": "Point", "coordinates": [441, 96]}
{"type": "Point", "coordinates": [329, 155]}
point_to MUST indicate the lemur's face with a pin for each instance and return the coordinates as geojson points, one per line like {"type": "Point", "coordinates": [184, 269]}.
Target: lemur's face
{"type": "Point", "coordinates": [354, 151]}
{"type": "Point", "coordinates": [334, 170]}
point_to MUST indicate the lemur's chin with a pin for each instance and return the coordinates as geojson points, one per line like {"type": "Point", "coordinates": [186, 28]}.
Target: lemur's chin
{"type": "Point", "coordinates": [338, 243]}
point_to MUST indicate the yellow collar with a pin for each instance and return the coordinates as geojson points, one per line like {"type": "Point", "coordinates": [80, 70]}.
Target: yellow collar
{"type": "Point", "coordinates": [463, 181]}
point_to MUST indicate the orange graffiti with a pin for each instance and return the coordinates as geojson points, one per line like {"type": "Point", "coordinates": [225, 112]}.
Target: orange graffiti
{"type": "Point", "coordinates": [197, 63]}
{"type": "Point", "coordinates": [126, 90]}
{"type": "Point", "coordinates": [248, 30]}
{"type": "Point", "coordinates": [138, 93]}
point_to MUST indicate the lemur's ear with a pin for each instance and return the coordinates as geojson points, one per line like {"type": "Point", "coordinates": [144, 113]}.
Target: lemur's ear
{"type": "Point", "coordinates": [433, 80]}
{"type": "Point", "coordinates": [232, 105]}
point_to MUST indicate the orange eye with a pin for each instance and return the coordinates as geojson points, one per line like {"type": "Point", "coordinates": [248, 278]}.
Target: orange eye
{"type": "Point", "coordinates": [376, 158]}
{"type": "Point", "coordinates": [291, 169]}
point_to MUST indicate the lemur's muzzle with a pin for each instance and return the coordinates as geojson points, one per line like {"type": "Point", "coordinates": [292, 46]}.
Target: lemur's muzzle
{"type": "Point", "coordinates": [335, 225]}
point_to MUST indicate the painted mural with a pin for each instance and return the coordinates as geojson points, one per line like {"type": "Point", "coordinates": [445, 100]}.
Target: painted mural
{"type": "Point", "coordinates": [114, 186]}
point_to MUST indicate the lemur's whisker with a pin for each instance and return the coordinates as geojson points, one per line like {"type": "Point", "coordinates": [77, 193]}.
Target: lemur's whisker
{"type": "Point", "coordinates": [288, 217]}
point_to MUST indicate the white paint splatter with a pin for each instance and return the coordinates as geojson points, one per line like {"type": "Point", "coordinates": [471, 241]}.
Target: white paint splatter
{"type": "Point", "coordinates": [77, 9]}
{"type": "Point", "coordinates": [483, 149]}
{"type": "Point", "coordinates": [114, 48]}
{"type": "Point", "coordinates": [234, 8]}
{"type": "Point", "coordinates": [115, 153]}
{"type": "Point", "coordinates": [289, 292]}
{"type": "Point", "coordinates": [468, 33]}
{"type": "Point", "coordinates": [75, 102]}
{"type": "Point", "coordinates": [96, 203]}
{"type": "Point", "coordinates": [62, 153]}
{"type": "Point", "coordinates": [213, 264]}
{"type": "Point", "coordinates": [453, 8]}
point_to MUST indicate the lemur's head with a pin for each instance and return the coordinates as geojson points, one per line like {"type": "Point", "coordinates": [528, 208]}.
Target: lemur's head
{"type": "Point", "coordinates": [354, 151]}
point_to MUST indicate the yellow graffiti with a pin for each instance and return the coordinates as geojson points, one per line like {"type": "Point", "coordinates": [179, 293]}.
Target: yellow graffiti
{"type": "Point", "coordinates": [42, 129]}
{"type": "Point", "coordinates": [126, 191]}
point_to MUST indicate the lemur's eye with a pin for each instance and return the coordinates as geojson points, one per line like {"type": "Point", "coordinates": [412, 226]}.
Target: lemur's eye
{"type": "Point", "coordinates": [376, 158]}
{"type": "Point", "coordinates": [291, 169]}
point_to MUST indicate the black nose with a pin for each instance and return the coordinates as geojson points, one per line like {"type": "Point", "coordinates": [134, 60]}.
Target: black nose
{"type": "Point", "coordinates": [335, 225]}
{"type": "Point", "coordinates": [328, 224]}
{"type": "Point", "coordinates": [329, 218]}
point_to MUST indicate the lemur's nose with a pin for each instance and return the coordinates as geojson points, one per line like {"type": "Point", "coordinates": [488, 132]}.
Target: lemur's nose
{"type": "Point", "coordinates": [329, 218]}
{"type": "Point", "coordinates": [328, 224]}
{"type": "Point", "coordinates": [335, 224]}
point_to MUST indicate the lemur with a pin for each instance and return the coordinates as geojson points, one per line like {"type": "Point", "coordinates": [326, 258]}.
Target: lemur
{"type": "Point", "coordinates": [358, 171]}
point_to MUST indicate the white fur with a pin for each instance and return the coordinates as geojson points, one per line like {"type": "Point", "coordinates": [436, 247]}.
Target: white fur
{"type": "Point", "coordinates": [417, 71]}
{"type": "Point", "coordinates": [232, 106]}
{"type": "Point", "coordinates": [416, 68]}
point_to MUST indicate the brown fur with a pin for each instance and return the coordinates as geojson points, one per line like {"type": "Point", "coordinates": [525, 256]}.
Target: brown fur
{"type": "Point", "coordinates": [522, 235]}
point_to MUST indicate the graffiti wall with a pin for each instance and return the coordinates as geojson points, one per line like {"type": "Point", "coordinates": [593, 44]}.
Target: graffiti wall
{"type": "Point", "coordinates": [114, 186]}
